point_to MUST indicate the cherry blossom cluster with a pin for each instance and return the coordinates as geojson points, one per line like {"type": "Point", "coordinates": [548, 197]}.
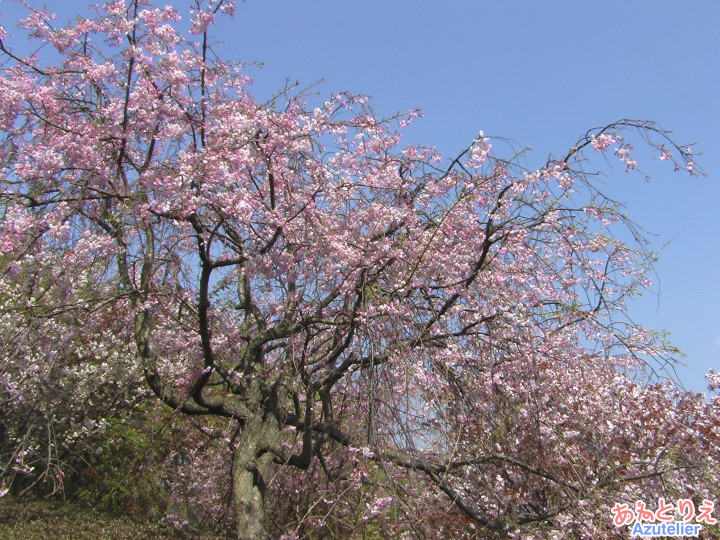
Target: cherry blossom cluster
{"type": "Point", "coordinates": [360, 337]}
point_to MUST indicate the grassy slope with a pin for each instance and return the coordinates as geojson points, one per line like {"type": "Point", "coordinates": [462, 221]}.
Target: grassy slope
{"type": "Point", "coordinates": [40, 520]}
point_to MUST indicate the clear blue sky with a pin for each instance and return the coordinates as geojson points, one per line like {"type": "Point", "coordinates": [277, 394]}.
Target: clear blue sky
{"type": "Point", "coordinates": [539, 72]}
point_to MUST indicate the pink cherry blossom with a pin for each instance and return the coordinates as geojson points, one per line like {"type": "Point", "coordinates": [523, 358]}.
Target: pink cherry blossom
{"type": "Point", "coordinates": [345, 335]}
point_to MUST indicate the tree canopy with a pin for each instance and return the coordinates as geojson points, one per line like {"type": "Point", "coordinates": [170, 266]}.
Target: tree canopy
{"type": "Point", "coordinates": [361, 337]}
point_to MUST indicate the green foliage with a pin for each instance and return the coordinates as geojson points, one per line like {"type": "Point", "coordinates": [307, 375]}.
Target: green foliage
{"type": "Point", "coordinates": [372, 532]}
{"type": "Point", "coordinates": [22, 519]}
{"type": "Point", "coordinates": [125, 474]}
{"type": "Point", "coordinates": [32, 519]}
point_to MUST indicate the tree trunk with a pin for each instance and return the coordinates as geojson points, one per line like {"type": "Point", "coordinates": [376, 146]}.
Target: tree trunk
{"type": "Point", "coordinates": [251, 466]}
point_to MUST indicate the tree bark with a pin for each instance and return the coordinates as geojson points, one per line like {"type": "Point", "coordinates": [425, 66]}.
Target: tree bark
{"type": "Point", "coordinates": [251, 467]}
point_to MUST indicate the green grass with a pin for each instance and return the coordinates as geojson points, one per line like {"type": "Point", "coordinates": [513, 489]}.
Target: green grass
{"type": "Point", "coordinates": [32, 519]}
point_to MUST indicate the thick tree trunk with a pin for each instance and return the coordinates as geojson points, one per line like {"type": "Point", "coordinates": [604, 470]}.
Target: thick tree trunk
{"type": "Point", "coordinates": [249, 493]}
{"type": "Point", "coordinates": [251, 466]}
